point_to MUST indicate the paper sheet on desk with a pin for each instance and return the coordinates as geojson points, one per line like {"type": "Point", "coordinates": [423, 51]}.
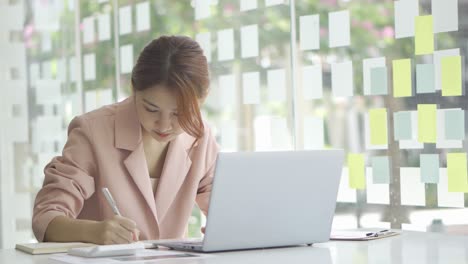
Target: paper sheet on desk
{"type": "Point", "coordinates": [142, 256]}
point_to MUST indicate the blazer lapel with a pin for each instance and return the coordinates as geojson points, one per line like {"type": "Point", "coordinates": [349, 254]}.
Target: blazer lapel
{"type": "Point", "coordinates": [128, 137]}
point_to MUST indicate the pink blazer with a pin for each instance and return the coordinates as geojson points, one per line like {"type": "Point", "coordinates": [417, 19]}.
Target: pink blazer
{"type": "Point", "coordinates": [104, 149]}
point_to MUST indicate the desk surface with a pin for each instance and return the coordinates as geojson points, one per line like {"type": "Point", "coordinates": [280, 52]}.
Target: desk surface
{"type": "Point", "coordinates": [409, 247]}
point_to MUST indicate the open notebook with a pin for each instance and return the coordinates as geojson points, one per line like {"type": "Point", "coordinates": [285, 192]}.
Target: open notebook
{"type": "Point", "coordinates": [50, 247]}
{"type": "Point", "coordinates": [359, 235]}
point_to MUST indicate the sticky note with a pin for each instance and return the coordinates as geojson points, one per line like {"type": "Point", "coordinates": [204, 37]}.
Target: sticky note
{"type": "Point", "coordinates": [381, 170]}
{"type": "Point", "coordinates": [446, 198]}
{"type": "Point", "coordinates": [227, 88]}
{"type": "Point", "coordinates": [339, 29]}
{"type": "Point", "coordinates": [412, 143]}
{"type": "Point", "coordinates": [342, 79]}
{"type": "Point", "coordinates": [228, 135]}
{"type": "Point", "coordinates": [445, 14]}
{"type": "Point", "coordinates": [90, 100]}
{"type": "Point", "coordinates": [204, 40]}
{"type": "Point", "coordinates": [412, 190]}
{"type": "Point", "coordinates": [249, 41]}
{"type": "Point", "coordinates": [356, 166]}
{"type": "Point", "coordinates": [309, 32]}
{"type": "Point", "coordinates": [405, 12]}
{"type": "Point", "coordinates": [378, 126]}
{"type": "Point", "coordinates": [402, 125]}
{"type": "Point", "coordinates": [202, 9]}
{"type": "Point", "coordinates": [313, 133]}
{"type": "Point", "coordinates": [143, 16]}
{"type": "Point", "coordinates": [425, 78]}
{"type": "Point", "coordinates": [226, 44]}
{"type": "Point", "coordinates": [402, 82]}
{"type": "Point", "coordinates": [424, 35]}
{"type": "Point", "coordinates": [246, 5]}
{"type": "Point", "coordinates": [376, 193]}
{"type": "Point", "coordinates": [367, 65]}
{"type": "Point", "coordinates": [451, 76]}
{"type": "Point", "coordinates": [88, 30]}
{"type": "Point", "coordinates": [454, 124]}
{"type": "Point", "coordinates": [457, 172]}
{"type": "Point", "coordinates": [125, 20]}
{"type": "Point", "coordinates": [273, 2]}
{"type": "Point", "coordinates": [427, 125]}
{"type": "Point", "coordinates": [438, 56]}
{"type": "Point", "coordinates": [126, 58]}
{"type": "Point", "coordinates": [429, 164]}
{"type": "Point", "coordinates": [251, 87]}
{"type": "Point", "coordinates": [354, 125]}
{"type": "Point", "coordinates": [379, 81]}
{"type": "Point", "coordinates": [276, 83]}
{"type": "Point", "coordinates": [442, 141]}
{"type": "Point", "coordinates": [89, 66]}
{"type": "Point", "coordinates": [104, 31]}
{"type": "Point", "coordinates": [312, 82]}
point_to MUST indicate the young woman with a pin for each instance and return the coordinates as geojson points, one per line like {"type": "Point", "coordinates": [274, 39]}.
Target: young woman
{"type": "Point", "coordinates": [152, 151]}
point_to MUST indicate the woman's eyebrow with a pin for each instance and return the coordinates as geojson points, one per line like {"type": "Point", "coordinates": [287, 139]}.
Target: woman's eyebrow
{"type": "Point", "coordinates": [148, 102]}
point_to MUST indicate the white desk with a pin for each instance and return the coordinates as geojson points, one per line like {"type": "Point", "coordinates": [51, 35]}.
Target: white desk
{"type": "Point", "coordinates": [408, 248]}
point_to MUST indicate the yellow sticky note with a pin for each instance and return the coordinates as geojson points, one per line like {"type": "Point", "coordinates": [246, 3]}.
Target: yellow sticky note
{"type": "Point", "coordinates": [424, 35]}
{"type": "Point", "coordinates": [451, 75]}
{"type": "Point", "coordinates": [356, 166]}
{"type": "Point", "coordinates": [378, 126]}
{"type": "Point", "coordinates": [457, 173]}
{"type": "Point", "coordinates": [402, 83]}
{"type": "Point", "coordinates": [427, 123]}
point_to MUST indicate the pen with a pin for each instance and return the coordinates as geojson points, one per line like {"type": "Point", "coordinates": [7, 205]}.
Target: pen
{"type": "Point", "coordinates": [376, 234]}
{"type": "Point", "coordinates": [111, 201]}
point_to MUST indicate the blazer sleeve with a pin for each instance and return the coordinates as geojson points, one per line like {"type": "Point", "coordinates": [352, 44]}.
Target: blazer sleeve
{"type": "Point", "coordinates": [68, 180]}
{"type": "Point", "coordinates": [205, 185]}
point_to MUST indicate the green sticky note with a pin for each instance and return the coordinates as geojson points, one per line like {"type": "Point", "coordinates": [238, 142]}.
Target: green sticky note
{"type": "Point", "coordinates": [379, 81]}
{"type": "Point", "coordinates": [429, 164]}
{"type": "Point", "coordinates": [451, 76]}
{"type": "Point", "coordinates": [357, 175]}
{"type": "Point", "coordinates": [402, 82]}
{"type": "Point", "coordinates": [378, 126]}
{"type": "Point", "coordinates": [424, 35]}
{"type": "Point", "coordinates": [381, 170]}
{"type": "Point", "coordinates": [456, 172]}
{"type": "Point", "coordinates": [454, 124]}
{"type": "Point", "coordinates": [402, 128]}
{"type": "Point", "coordinates": [425, 78]}
{"type": "Point", "coordinates": [427, 123]}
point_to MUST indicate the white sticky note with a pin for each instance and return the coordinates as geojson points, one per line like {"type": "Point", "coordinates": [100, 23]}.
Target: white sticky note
{"type": "Point", "coordinates": [104, 97]}
{"type": "Point", "coordinates": [204, 40]}
{"type": "Point", "coordinates": [280, 135]}
{"type": "Point", "coordinates": [202, 9]}
{"type": "Point", "coordinates": [441, 141]}
{"type": "Point", "coordinates": [246, 5]}
{"type": "Point", "coordinates": [309, 32]}
{"type": "Point", "coordinates": [143, 16]}
{"type": "Point", "coordinates": [367, 133]}
{"type": "Point", "coordinates": [367, 65]}
{"type": "Point", "coordinates": [228, 135]}
{"type": "Point", "coordinates": [345, 194]}
{"type": "Point", "coordinates": [405, 13]}
{"type": "Point", "coordinates": [249, 41]}
{"type": "Point", "coordinates": [376, 193]}
{"type": "Point", "coordinates": [46, 41]}
{"type": "Point", "coordinates": [413, 143]}
{"type": "Point", "coordinates": [262, 127]}
{"type": "Point", "coordinates": [49, 128]}
{"type": "Point", "coordinates": [273, 2]}
{"type": "Point", "coordinates": [342, 79]}
{"type": "Point", "coordinates": [61, 70]}
{"type": "Point", "coordinates": [89, 64]}
{"type": "Point", "coordinates": [125, 20]}
{"type": "Point", "coordinates": [412, 190]}
{"type": "Point", "coordinates": [126, 58]}
{"type": "Point", "coordinates": [90, 101]}
{"type": "Point", "coordinates": [339, 29]}
{"type": "Point", "coordinates": [46, 70]}
{"type": "Point", "coordinates": [445, 13]}
{"type": "Point", "coordinates": [446, 198]}
{"type": "Point", "coordinates": [88, 30]}
{"type": "Point", "coordinates": [72, 68]}
{"type": "Point", "coordinates": [312, 82]}
{"type": "Point", "coordinates": [276, 80]}
{"type": "Point", "coordinates": [227, 89]}
{"type": "Point", "coordinates": [48, 92]}
{"type": "Point", "coordinates": [104, 31]}
{"type": "Point", "coordinates": [314, 130]}
{"type": "Point", "coordinates": [251, 87]}
{"type": "Point", "coordinates": [226, 44]}
{"type": "Point", "coordinates": [438, 55]}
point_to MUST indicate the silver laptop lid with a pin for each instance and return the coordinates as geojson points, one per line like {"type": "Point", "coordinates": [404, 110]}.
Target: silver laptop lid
{"type": "Point", "coordinates": [270, 199]}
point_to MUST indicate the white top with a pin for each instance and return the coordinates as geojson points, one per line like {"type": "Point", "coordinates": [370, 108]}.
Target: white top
{"type": "Point", "coordinates": [409, 247]}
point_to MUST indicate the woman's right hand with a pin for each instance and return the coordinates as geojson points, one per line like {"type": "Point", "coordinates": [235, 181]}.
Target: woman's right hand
{"type": "Point", "coordinates": [117, 230]}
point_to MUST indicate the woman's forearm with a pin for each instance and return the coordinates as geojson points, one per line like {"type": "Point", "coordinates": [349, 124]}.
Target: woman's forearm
{"type": "Point", "coordinates": [66, 229]}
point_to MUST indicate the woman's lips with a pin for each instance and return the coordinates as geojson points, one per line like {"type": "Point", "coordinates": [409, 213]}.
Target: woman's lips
{"type": "Point", "coordinates": [161, 134]}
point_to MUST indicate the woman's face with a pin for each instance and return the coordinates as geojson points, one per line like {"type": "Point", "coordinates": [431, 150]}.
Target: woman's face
{"type": "Point", "coordinates": [157, 111]}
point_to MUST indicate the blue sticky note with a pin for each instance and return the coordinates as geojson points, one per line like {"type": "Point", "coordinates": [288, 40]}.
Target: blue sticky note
{"type": "Point", "coordinates": [425, 78]}
{"type": "Point", "coordinates": [379, 81]}
{"type": "Point", "coordinates": [429, 164]}
{"type": "Point", "coordinates": [454, 124]}
{"type": "Point", "coordinates": [402, 125]}
{"type": "Point", "coordinates": [381, 170]}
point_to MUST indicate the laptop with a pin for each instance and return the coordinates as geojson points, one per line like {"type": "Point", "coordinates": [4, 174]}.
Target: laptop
{"type": "Point", "coordinates": [269, 199]}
